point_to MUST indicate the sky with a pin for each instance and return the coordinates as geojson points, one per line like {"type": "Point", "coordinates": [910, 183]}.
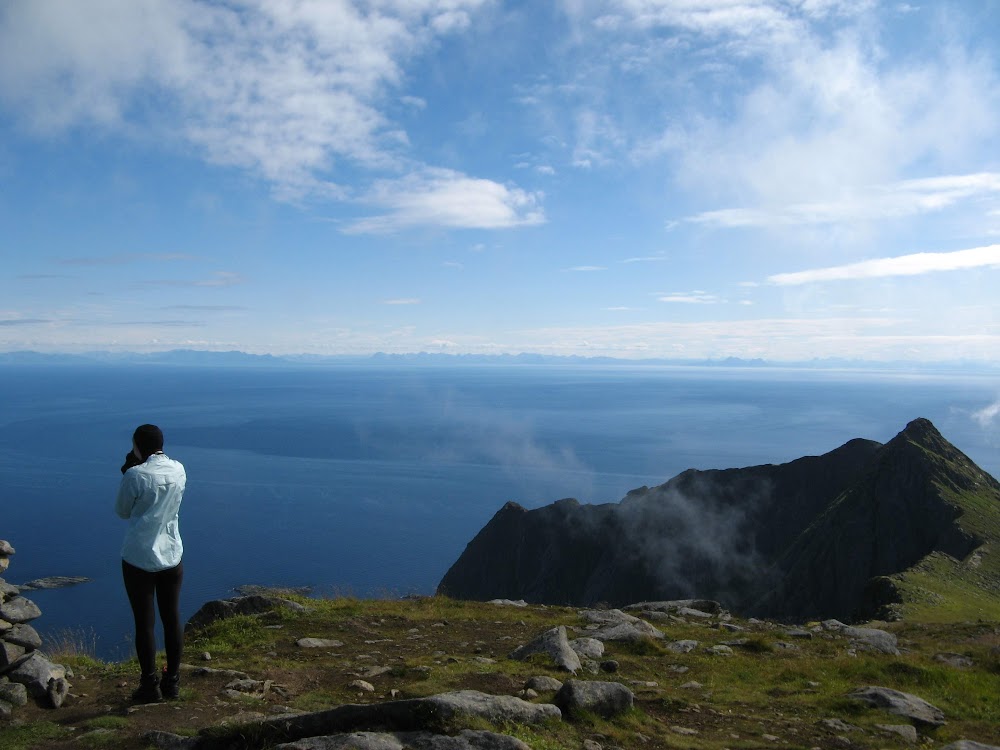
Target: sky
{"type": "Point", "coordinates": [783, 179]}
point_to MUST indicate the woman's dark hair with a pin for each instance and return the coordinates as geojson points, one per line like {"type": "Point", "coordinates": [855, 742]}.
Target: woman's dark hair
{"type": "Point", "coordinates": [148, 439]}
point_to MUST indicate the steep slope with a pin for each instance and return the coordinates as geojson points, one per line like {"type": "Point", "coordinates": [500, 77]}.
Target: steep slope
{"type": "Point", "coordinates": [813, 537]}
{"type": "Point", "coordinates": [920, 501]}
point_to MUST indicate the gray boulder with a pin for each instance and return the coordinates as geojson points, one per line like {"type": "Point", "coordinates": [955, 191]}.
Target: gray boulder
{"type": "Point", "coordinates": [35, 672]}
{"type": "Point", "coordinates": [607, 699]}
{"type": "Point", "coordinates": [682, 647]}
{"type": "Point", "coordinates": [901, 704]}
{"type": "Point", "coordinates": [871, 639]}
{"type": "Point", "coordinates": [436, 713]}
{"type": "Point", "coordinates": [969, 745]}
{"type": "Point", "coordinates": [587, 648]}
{"type": "Point", "coordinates": [19, 610]}
{"type": "Point", "coordinates": [543, 684]}
{"type": "Point", "coordinates": [7, 590]}
{"type": "Point", "coordinates": [25, 636]}
{"type": "Point", "coordinates": [465, 740]}
{"type": "Point", "coordinates": [627, 632]}
{"type": "Point", "coordinates": [554, 644]}
{"type": "Point", "coordinates": [14, 693]}
{"type": "Point", "coordinates": [671, 607]}
{"type": "Point", "coordinates": [10, 653]}
{"type": "Point", "coordinates": [318, 643]}
{"type": "Point", "coordinates": [5, 549]}
{"type": "Point", "coordinates": [954, 660]}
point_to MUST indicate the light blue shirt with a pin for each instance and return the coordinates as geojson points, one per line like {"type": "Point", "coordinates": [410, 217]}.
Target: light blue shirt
{"type": "Point", "coordinates": [150, 497]}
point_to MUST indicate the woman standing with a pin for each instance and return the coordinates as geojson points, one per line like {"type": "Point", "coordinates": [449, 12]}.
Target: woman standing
{"type": "Point", "coordinates": [149, 497]}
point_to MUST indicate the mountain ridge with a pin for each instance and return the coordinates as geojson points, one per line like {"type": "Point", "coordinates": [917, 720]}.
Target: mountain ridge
{"type": "Point", "coordinates": [821, 536]}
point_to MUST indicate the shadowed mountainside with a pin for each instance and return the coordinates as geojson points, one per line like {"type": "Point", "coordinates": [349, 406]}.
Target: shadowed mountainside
{"type": "Point", "coordinates": [816, 537]}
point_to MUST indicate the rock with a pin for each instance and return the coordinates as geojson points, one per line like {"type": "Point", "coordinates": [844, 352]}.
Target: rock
{"type": "Point", "coordinates": [9, 654]}
{"type": "Point", "coordinates": [467, 739]}
{"type": "Point", "coordinates": [365, 687]}
{"type": "Point", "coordinates": [770, 737]}
{"type": "Point", "coordinates": [627, 632]}
{"type": "Point", "coordinates": [832, 625]}
{"type": "Point", "coordinates": [799, 633]}
{"type": "Point", "coordinates": [256, 604]}
{"type": "Point", "coordinates": [954, 660]}
{"type": "Point", "coordinates": [53, 582]}
{"type": "Point", "coordinates": [673, 606]}
{"type": "Point", "coordinates": [609, 665]}
{"type": "Point", "coordinates": [35, 672]}
{"type": "Point", "coordinates": [5, 549]}
{"type": "Point", "coordinates": [167, 741]}
{"type": "Point", "coordinates": [901, 704]}
{"type": "Point", "coordinates": [871, 639]}
{"type": "Point", "coordinates": [607, 699]}
{"type": "Point", "coordinates": [696, 613]}
{"type": "Point", "coordinates": [969, 745]}
{"type": "Point", "coordinates": [692, 685]}
{"type": "Point", "coordinates": [5, 626]}
{"type": "Point", "coordinates": [206, 656]}
{"type": "Point", "coordinates": [6, 710]}
{"type": "Point", "coordinates": [591, 745]}
{"type": "Point", "coordinates": [508, 602]}
{"type": "Point", "coordinates": [588, 648]}
{"type": "Point", "coordinates": [14, 693]}
{"type": "Point", "coordinates": [720, 650]}
{"type": "Point", "coordinates": [907, 731]}
{"type": "Point", "coordinates": [687, 732]}
{"type": "Point", "coordinates": [4, 563]}
{"type": "Point", "coordinates": [19, 610]}
{"type": "Point", "coordinates": [57, 690]}
{"type": "Point", "coordinates": [318, 643]}
{"type": "Point", "coordinates": [682, 647]}
{"type": "Point", "coordinates": [23, 635]}
{"type": "Point", "coordinates": [434, 713]}
{"type": "Point", "coordinates": [7, 590]}
{"type": "Point", "coordinates": [553, 643]}
{"type": "Point", "coordinates": [543, 684]}
{"type": "Point", "coordinates": [838, 725]}
{"type": "Point", "coordinates": [730, 627]}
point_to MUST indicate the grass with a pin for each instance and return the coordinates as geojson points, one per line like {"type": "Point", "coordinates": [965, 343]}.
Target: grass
{"type": "Point", "coordinates": [435, 644]}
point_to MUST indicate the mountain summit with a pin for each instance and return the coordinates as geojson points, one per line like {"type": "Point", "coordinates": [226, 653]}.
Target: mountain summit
{"type": "Point", "coordinates": [866, 529]}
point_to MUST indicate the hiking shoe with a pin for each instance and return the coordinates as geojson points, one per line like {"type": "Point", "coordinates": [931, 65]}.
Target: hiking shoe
{"type": "Point", "coordinates": [148, 690]}
{"type": "Point", "coordinates": [170, 686]}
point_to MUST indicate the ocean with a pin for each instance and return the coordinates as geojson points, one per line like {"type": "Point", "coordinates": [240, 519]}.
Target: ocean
{"type": "Point", "coordinates": [369, 480]}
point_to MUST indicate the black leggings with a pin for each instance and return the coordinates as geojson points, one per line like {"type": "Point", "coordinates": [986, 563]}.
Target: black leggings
{"type": "Point", "coordinates": [141, 585]}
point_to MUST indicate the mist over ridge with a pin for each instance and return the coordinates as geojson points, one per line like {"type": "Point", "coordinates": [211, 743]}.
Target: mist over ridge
{"type": "Point", "coordinates": [816, 537]}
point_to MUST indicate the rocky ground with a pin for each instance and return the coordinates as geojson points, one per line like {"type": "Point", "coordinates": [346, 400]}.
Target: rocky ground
{"type": "Point", "coordinates": [437, 673]}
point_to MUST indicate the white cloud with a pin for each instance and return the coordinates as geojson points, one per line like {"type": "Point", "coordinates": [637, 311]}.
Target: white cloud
{"type": "Point", "coordinates": [894, 201]}
{"type": "Point", "coordinates": [286, 90]}
{"type": "Point", "coordinates": [443, 197]}
{"type": "Point", "coordinates": [784, 102]}
{"type": "Point", "coordinates": [693, 298]}
{"type": "Point", "coordinates": [904, 265]}
{"type": "Point", "coordinates": [986, 416]}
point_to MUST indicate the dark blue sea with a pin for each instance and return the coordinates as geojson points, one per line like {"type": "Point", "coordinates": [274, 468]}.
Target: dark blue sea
{"type": "Point", "coordinates": [370, 480]}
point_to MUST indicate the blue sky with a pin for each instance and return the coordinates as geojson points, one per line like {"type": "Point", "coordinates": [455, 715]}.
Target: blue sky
{"type": "Point", "coordinates": [636, 178]}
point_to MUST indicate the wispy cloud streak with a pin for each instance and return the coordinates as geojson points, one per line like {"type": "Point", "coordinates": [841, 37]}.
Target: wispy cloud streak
{"type": "Point", "coordinates": [903, 265]}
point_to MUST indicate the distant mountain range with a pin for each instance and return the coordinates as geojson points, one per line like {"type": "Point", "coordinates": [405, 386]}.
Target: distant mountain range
{"type": "Point", "coordinates": [862, 531]}
{"type": "Point", "coordinates": [200, 358]}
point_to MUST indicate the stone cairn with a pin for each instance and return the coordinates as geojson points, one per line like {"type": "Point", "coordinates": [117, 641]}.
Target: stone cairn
{"type": "Point", "coordinates": [24, 670]}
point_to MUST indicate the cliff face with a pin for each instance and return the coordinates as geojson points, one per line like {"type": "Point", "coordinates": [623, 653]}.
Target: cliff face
{"type": "Point", "coordinates": [802, 539]}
